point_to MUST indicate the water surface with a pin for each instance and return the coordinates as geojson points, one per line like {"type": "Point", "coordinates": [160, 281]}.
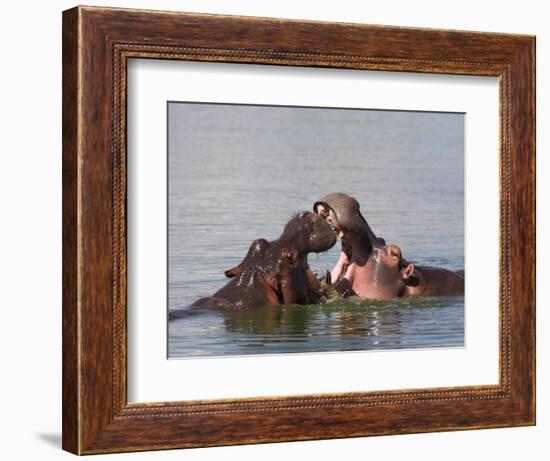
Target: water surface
{"type": "Point", "coordinates": [237, 173]}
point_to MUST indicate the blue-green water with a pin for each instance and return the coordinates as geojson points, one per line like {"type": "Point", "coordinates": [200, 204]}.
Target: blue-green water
{"type": "Point", "coordinates": [237, 173]}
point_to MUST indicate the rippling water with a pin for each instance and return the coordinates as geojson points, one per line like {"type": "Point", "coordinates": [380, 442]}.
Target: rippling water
{"type": "Point", "coordinates": [237, 173]}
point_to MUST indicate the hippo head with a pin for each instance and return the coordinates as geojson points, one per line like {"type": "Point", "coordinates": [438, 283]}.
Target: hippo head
{"type": "Point", "coordinates": [389, 273]}
{"type": "Point", "coordinates": [308, 232]}
{"type": "Point", "coordinates": [305, 232]}
{"type": "Point", "coordinates": [342, 213]}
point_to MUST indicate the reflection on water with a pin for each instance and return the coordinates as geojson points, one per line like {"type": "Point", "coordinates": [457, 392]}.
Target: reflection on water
{"type": "Point", "coordinates": [342, 326]}
{"type": "Point", "coordinates": [237, 173]}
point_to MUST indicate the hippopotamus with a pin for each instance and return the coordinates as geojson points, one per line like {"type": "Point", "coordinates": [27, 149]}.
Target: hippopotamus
{"type": "Point", "coordinates": [343, 214]}
{"type": "Point", "coordinates": [369, 268]}
{"type": "Point", "coordinates": [276, 272]}
{"type": "Point", "coordinates": [389, 275]}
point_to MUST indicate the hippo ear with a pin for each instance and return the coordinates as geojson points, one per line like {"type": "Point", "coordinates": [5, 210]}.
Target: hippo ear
{"type": "Point", "coordinates": [408, 272]}
{"type": "Point", "coordinates": [229, 273]}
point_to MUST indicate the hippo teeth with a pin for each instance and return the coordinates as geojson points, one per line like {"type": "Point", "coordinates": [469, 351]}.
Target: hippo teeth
{"type": "Point", "coordinates": [339, 233]}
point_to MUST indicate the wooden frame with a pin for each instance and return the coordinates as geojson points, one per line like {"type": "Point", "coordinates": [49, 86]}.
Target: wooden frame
{"type": "Point", "coordinates": [97, 43]}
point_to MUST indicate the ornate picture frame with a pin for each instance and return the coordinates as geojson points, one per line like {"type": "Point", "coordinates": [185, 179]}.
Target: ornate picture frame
{"type": "Point", "coordinates": [97, 44]}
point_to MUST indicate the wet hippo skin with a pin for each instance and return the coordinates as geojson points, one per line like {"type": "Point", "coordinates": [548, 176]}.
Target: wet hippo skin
{"type": "Point", "coordinates": [388, 275]}
{"type": "Point", "coordinates": [276, 272]}
{"type": "Point", "coordinates": [434, 281]}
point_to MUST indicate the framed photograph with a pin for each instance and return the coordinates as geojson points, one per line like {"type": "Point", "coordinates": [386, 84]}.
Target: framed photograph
{"type": "Point", "coordinates": [281, 230]}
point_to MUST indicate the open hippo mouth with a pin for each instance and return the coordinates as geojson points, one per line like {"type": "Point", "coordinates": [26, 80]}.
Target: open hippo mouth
{"type": "Point", "coordinates": [342, 214]}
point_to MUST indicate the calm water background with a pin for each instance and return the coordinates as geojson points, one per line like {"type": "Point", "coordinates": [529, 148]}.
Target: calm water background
{"type": "Point", "coordinates": [237, 173]}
